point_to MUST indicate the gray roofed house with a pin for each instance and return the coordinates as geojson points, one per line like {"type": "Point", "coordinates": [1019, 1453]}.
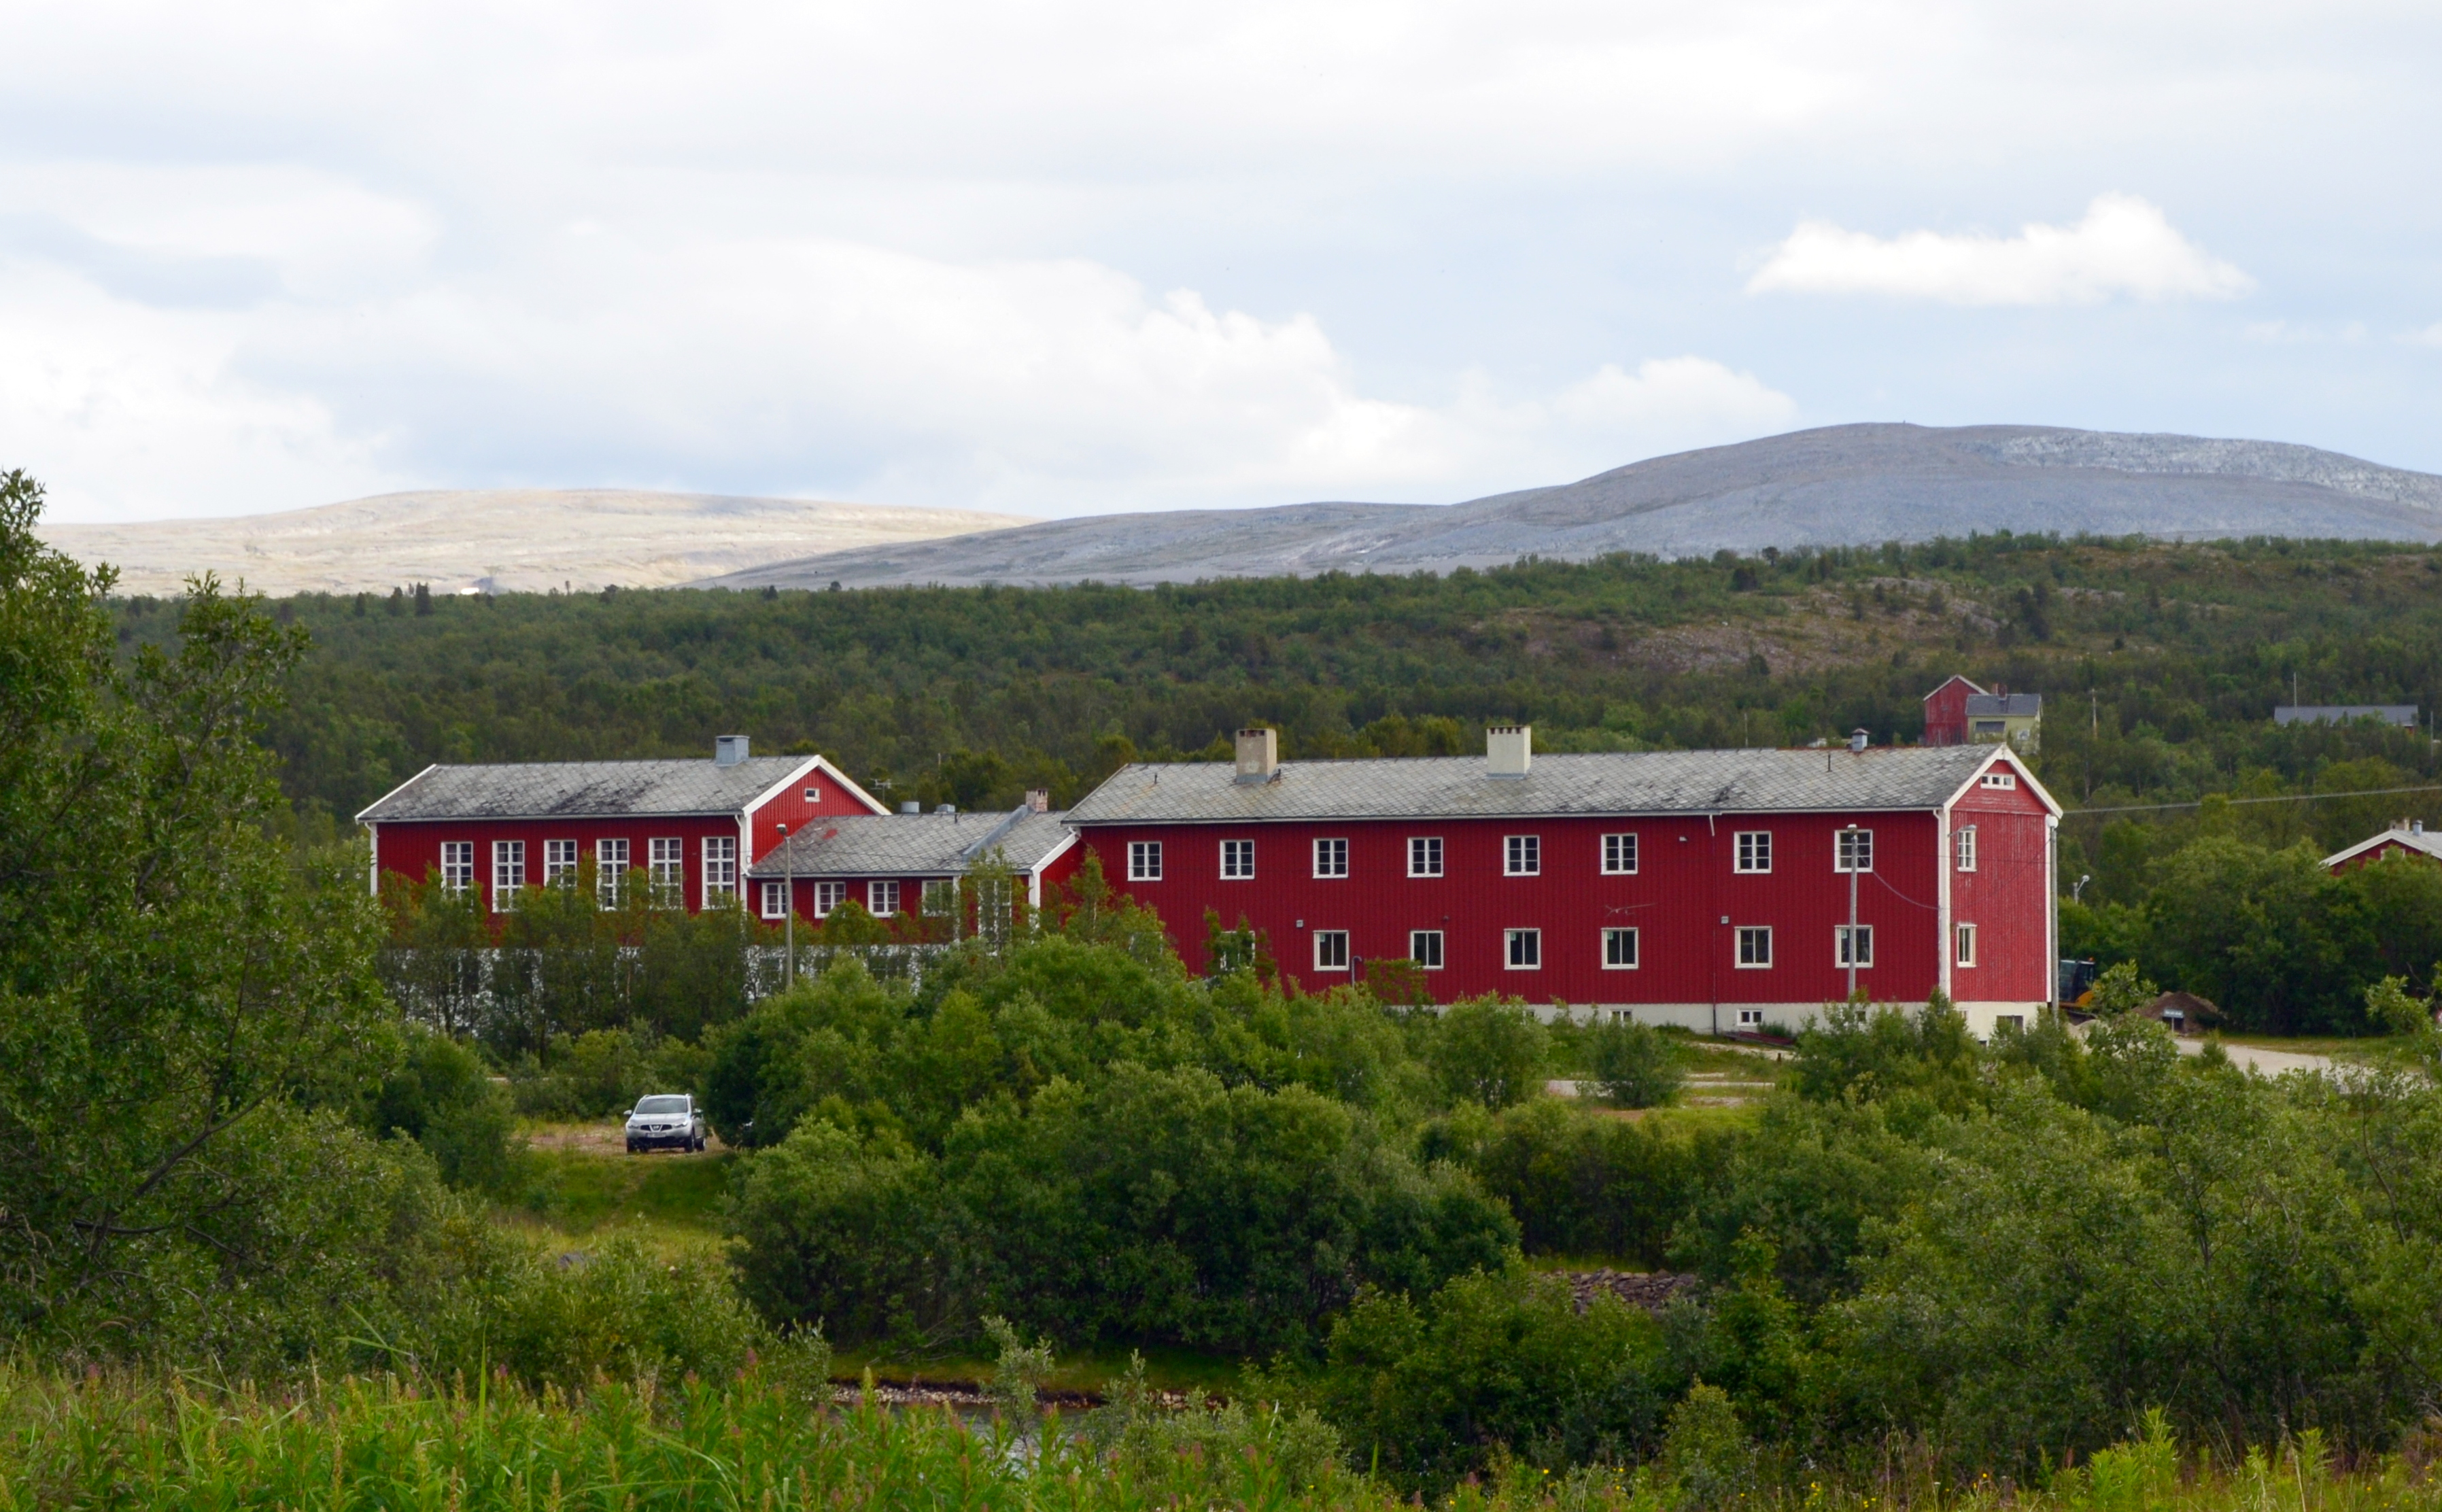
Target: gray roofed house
{"type": "Point", "coordinates": [2005, 705]}
{"type": "Point", "coordinates": [1652, 782]}
{"type": "Point", "coordinates": [918, 844]}
{"type": "Point", "coordinates": [570, 790]}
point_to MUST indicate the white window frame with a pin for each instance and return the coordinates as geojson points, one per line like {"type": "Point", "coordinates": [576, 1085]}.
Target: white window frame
{"type": "Point", "coordinates": [1144, 861]}
{"type": "Point", "coordinates": [1753, 949]}
{"type": "Point", "coordinates": [1522, 855]}
{"type": "Point", "coordinates": [560, 863]}
{"type": "Point", "coordinates": [827, 896]}
{"type": "Point", "coordinates": [1852, 848]}
{"type": "Point", "coordinates": [1619, 854]}
{"type": "Point", "coordinates": [668, 853]}
{"type": "Point", "coordinates": [776, 900]}
{"type": "Point", "coordinates": [1521, 949]}
{"type": "Point", "coordinates": [1750, 1018]}
{"type": "Point", "coordinates": [508, 874]}
{"type": "Point", "coordinates": [1963, 945]}
{"type": "Point", "coordinates": [1752, 855]}
{"type": "Point", "coordinates": [1331, 859]}
{"type": "Point", "coordinates": [609, 872]}
{"type": "Point", "coordinates": [720, 870]}
{"type": "Point", "coordinates": [1237, 860]}
{"type": "Point", "coordinates": [814, 794]}
{"type": "Point", "coordinates": [1425, 943]}
{"type": "Point", "coordinates": [1864, 937]}
{"type": "Point", "coordinates": [1612, 940]}
{"type": "Point", "coordinates": [1424, 856]}
{"type": "Point", "coordinates": [938, 897]}
{"type": "Point", "coordinates": [881, 899]}
{"type": "Point", "coordinates": [1331, 950]}
{"type": "Point", "coordinates": [457, 865]}
{"type": "Point", "coordinates": [1962, 842]}
{"type": "Point", "coordinates": [2006, 781]}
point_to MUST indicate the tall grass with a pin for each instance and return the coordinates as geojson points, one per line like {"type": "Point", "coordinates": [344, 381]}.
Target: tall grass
{"type": "Point", "coordinates": [762, 1442]}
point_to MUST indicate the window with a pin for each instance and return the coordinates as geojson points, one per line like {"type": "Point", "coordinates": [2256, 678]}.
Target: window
{"type": "Point", "coordinates": [1853, 851]}
{"type": "Point", "coordinates": [1966, 934]}
{"type": "Point", "coordinates": [1754, 851]}
{"type": "Point", "coordinates": [1755, 947]}
{"type": "Point", "coordinates": [827, 896]}
{"type": "Point", "coordinates": [2000, 779]}
{"type": "Point", "coordinates": [941, 895]}
{"type": "Point", "coordinates": [719, 869]}
{"type": "Point", "coordinates": [814, 794]}
{"type": "Point", "coordinates": [611, 871]}
{"type": "Point", "coordinates": [1964, 843]}
{"type": "Point", "coordinates": [560, 863]}
{"type": "Point", "coordinates": [508, 873]}
{"type": "Point", "coordinates": [457, 864]}
{"type": "Point", "coordinates": [1619, 950]}
{"type": "Point", "coordinates": [1619, 855]}
{"type": "Point", "coordinates": [881, 899]}
{"type": "Point", "coordinates": [1525, 950]}
{"type": "Point", "coordinates": [1144, 861]}
{"type": "Point", "coordinates": [1856, 937]}
{"type": "Point", "coordinates": [996, 908]}
{"type": "Point", "coordinates": [776, 900]}
{"type": "Point", "coordinates": [1330, 858]}
{"type": "Point", "coordinates": [2017, 1022]}
{"type": "Point", "coordinates": [1751, 1018]}
{"type": "Point", "coordinates": [1424, 948]}
{"type": "Point", "coordinates": [1331, 950]}
{"type": "Point", "coordinates": [1424, 855]}
{"type": "Point", "coordinates": [669, 871]}
{"type": "Point", "coordinates": [1525, 856]}
{"type": "Point", "coordinates": [1237, 860]}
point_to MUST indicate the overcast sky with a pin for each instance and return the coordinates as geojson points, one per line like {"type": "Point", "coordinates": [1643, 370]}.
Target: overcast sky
{"type": "Point", "coordinates": [1084, 255]}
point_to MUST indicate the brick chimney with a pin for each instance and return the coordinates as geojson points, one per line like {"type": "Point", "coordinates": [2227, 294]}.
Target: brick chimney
{"type": "Point", "coordinates": [1038, 800]}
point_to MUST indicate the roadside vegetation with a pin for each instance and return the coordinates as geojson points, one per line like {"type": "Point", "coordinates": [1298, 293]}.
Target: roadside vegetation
{"type": "Point", "coordinates": [271, 1238]}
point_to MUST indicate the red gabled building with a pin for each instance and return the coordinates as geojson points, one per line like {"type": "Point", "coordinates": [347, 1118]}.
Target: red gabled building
{"type": "Point", "coordinates": [694, 828]}
{"type": "Point", "coordinates": [908, 862]}
{"type": "Point", "coordinates": [1707, 888]}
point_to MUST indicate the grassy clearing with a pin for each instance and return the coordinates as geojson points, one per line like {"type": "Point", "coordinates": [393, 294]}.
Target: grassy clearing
{"type": "Point", "coordinates": [584, 1184]}
{"type": "Point", "coordinates": [1166, 1369]}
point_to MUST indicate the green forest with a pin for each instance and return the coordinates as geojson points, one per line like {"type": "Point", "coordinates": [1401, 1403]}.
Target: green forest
{"type": "Point", "coordinates": [270, 1239]}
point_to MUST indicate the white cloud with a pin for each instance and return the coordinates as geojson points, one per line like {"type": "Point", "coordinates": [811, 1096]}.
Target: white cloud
{"type": "Point", "coordinates": [2429, 337]}
{"type": "Point", "coordinates": [2124, 247]}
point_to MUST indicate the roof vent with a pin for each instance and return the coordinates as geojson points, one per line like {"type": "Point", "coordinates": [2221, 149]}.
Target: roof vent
{"type": "Point", "coordinates": [1038, 800]}
{"type": "Point", "coordinates": [1509, 749]}
{"type": "Point", "coordinates": [2416, 827]}
{"type": "Point", "coordinates": [728, 750]}
{"type": "Point", "coordinates": [911, 807]}
{"type": "Point", "coordinates": [945, 807]}
{"type": "Point", "coordinates": [1858, 740]}
{"type": "Point", "coordinates": [1259, 755]}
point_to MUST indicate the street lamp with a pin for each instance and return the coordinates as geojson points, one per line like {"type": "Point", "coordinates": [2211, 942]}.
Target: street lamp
{"type": "Point", "coordinates": [787, 909]}
{"type": "Point", "coordinates": [1850, 834]}
{"type": "Point", "coordinates": [2078, 886]}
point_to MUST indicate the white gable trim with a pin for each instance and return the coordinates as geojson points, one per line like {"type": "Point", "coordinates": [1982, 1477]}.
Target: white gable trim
{"type": "Point", "coordinates": [817, 763]}
{"type": "Point", "coordinates": [394, 793]}
{"type": "Point", "coordinates": [2428, 845]}
{"type": "Point", "coordinates": [2003, 753]}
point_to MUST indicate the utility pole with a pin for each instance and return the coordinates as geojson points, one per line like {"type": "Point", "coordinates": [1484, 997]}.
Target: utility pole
{"type": "Point", "coordinates": [789, 906]}
{"type": "Point", "coordinates": [1851, 833]}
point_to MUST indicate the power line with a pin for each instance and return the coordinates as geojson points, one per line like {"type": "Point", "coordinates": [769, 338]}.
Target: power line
{"type": "Point", "coordinates": [2294, 797]}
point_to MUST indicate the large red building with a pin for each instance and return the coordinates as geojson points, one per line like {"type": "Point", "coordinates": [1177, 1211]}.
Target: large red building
{"type": "Point", "coordinates": [909, 863]}
{"type": "Point", "coordinates": [694, 828]}
{"type": "Point", "coordinates": [1714, 889]}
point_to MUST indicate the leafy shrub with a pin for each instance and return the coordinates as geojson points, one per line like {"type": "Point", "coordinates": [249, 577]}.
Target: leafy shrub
{"type": "Point", "coordinates": [1488, 1050]}
{"type": "Point", "coordinates": [441, 1097]}
{"type": "Point", "coordinates": [1634, 1065]}
{"type": "Point", "coordinates": [1578, 1184]}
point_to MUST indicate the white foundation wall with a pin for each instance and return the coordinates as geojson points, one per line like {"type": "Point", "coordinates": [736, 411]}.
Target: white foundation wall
{"type": "Point", "coordinates": [1984, 1018]}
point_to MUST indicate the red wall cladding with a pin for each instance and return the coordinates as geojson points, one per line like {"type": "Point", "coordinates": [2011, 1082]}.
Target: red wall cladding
{"type": "Point", "coordinates": [1684, 888]}
{"type": "Point", "coordinates": [2006, 897]}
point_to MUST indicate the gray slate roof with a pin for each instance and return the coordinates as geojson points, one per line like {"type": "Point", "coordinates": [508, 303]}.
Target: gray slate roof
{"type": "Point", "coordinates": [2400, 714]}
{"type": "Point", "coordinates": [914, 845]}
{"type": "Point", "coordinates": [1651, 782]}
{"type": "Point", "coordinates": [582, 790]}
{"type": "Point", "coordinates": [1999, 705]}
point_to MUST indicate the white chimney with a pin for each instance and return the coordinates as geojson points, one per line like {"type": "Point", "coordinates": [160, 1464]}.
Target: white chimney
{"type": "Point", "coordinates": [1858, 739]}
{"type": "Point", "coordinates": [1259, 755]}
{"type": "Point", "coordinates": [728, 750]}
{"type": "Point", "coordinates": [1509, 749]}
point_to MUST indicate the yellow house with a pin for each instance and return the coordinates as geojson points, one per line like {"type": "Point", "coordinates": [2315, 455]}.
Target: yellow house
{"type": "Point", "coordinates": [2012, 719]}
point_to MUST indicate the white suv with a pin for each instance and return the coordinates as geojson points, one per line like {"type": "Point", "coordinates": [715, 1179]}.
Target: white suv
{"type": "Point", "coordinates": [664, 1120]}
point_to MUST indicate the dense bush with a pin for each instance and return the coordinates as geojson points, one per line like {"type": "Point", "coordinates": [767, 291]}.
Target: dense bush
{"type": "Point", "coordinates": [1634, 1065]}
{"type": "Point", "coordinates": [441, 1097]}
{"type": "Point", "coordinates": [1578, 1184]}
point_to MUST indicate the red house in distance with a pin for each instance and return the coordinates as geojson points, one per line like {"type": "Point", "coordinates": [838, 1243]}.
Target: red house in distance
{"type": "Point", "coordinates": [1710, 889]}
{"type": "Point", "coordinates": [694, 828]}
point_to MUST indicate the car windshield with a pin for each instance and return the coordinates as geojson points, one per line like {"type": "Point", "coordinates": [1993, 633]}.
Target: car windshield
{"type": "Point", "coordinates": [663, 1104]}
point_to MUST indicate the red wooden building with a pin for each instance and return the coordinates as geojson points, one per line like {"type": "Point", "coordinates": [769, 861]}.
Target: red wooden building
{"type": "Point", "coordinates": [1707, 888]}
{"type": "Point", "coordinates": [2405, 838]}
{"type": "Point", "coordinates": [694, 828]}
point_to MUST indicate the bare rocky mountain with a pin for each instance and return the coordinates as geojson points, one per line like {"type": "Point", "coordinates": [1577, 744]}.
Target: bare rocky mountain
{"type": "Point", "coordinates": [1840, 486]}
{"type": "Point", "coordinates": [504, 540]}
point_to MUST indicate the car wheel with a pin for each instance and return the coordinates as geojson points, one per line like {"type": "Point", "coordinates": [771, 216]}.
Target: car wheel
{"type": "Point", "coordinates": [631, 1147]}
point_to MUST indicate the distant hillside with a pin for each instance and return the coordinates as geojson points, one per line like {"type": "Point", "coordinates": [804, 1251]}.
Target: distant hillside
{"type": "Point", "coordinates": [1840, 486]}
{"type": "Point", "coordinates": [506, 539]}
